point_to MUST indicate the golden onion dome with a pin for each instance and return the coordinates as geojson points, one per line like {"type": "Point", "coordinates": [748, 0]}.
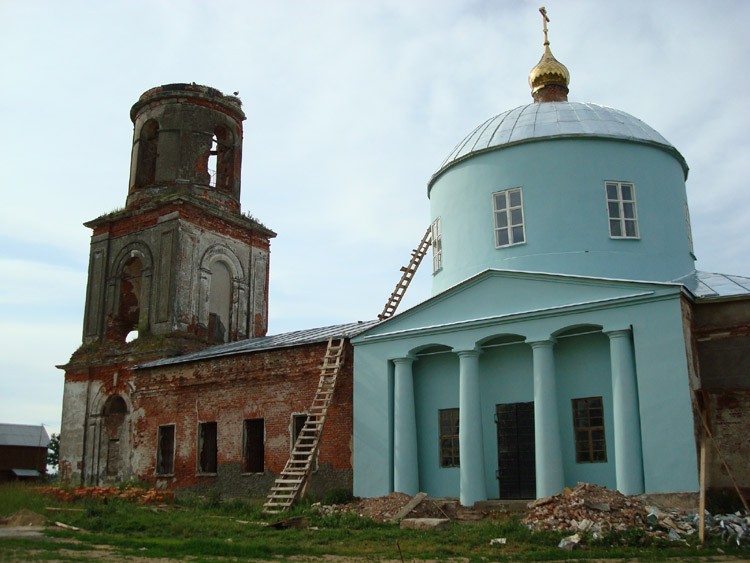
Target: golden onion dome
{"type": "Point", "coordinates": [548, 71]}
{"type": "Point", "coordinates": [549, 79]}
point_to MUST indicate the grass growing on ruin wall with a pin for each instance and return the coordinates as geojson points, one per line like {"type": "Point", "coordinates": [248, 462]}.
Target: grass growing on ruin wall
{"type": "Point", "coordinates": [208, 529]}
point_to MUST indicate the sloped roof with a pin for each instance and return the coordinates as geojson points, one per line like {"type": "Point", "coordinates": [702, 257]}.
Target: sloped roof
{"type": "Point", "coordinates": [284, 340]}
{"type": "Point", "coordinates": [707, 285]}
{"type": "Point", "coordinates": [23, 435]}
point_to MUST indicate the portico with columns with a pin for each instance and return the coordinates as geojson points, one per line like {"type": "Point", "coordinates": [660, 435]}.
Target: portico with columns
{"type": "Point", "coordinates": [612, 348]}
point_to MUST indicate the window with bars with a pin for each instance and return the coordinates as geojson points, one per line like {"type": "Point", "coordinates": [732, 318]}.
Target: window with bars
{"type": "Point", "coordinates": [588, 426]}
{"type": "Point", "coordinates": [509, 225]}
{"type": "Point", "coordinates": [449, 453]}
{"type": "Point", "coordinates": [437, 247]}
{"type": "Point", "coordinates": [165, 450]}
{"type": "Point", "coordinates": [621, 210]}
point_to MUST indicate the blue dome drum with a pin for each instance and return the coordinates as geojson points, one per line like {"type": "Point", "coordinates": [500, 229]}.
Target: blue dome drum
{"type": "Point", "coordinates": [602, 194]}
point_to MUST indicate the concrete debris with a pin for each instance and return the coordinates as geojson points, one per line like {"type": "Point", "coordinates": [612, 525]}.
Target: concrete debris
{"type": "Point", "coordinates": [597, 510]}
{"type": "Point", "coordinates": [67, 526]}
{"type": "Point", "coordinates": [569, 543]}
{"type": "Point", "coordinates": [411, 505]}
{"type": "Point", "coordinates": [498, 541]}
{"type": "Point", "coordinates": [732, 527]}
{"type": "Point", "coordinates": [425, 524]}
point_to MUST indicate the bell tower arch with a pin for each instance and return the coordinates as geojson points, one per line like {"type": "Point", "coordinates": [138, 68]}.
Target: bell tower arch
{"type": "Point", "coordinates": [145, 273]}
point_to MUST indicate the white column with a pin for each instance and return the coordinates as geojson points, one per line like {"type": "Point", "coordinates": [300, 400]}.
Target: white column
{"type": "Point", "coordinates": [626, 414]}
{"type": "Point", "coordinates": [470, 442]}
{"type": "Point", "coordinates": [405, 461]}
{"type": "Point", "coordinates": [550, 477]}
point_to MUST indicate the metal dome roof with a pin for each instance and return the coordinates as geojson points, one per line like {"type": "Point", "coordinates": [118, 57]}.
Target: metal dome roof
{"type": "Point", "coordinates": [540, 121]}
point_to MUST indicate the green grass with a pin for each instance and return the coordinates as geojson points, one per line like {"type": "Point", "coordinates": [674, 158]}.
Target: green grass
{"type": "Point", "coordinates": [206, 529]}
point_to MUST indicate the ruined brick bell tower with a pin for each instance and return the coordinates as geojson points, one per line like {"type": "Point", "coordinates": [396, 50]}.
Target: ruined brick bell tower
{"type": "Point", "coordinates": [180, 258]}
{"type": "Point", "coordinates": [179, 268]}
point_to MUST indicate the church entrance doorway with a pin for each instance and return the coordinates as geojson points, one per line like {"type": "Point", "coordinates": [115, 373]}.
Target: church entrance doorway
{"type": "Point", "coordinates": [516, 466]}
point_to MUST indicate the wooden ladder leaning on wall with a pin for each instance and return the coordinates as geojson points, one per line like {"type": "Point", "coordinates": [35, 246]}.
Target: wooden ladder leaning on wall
{"type": "Point", "coordinates": [408, 273]}
{"type": "Point", "coordinates": [294, 479]}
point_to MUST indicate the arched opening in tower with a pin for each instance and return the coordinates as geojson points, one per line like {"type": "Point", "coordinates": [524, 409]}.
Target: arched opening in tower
{"type": "Point", "coordinates": [113, 437]}
{"type": "Point", "coordinates": [129, 311]}
{"type": "Point", "coordinates": [147, 153]}
{"type": "Point", "coordinates": [219, 303]}
{"type": "Point", "coordinates": [224, 159]}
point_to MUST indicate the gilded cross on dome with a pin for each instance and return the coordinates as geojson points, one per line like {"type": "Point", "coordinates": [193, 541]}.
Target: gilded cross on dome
{"type": "Point", "coordinates": [545, 19]}
{"type": "Point", "coordinates": [549, 79]}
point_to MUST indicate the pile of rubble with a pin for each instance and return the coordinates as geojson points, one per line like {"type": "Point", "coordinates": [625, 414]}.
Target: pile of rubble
{"type": "Point", "coordinates": [132, 494]}
{"type": "Point", "coordinates": [585, 508]}
{"type": "Point", "coordinates": [731, 527]}
{"type": "Point", "coordinates": [598, 511]}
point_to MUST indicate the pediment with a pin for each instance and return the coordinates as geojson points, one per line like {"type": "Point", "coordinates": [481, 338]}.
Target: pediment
{"type": "Point", "coordinates": [499, 293]}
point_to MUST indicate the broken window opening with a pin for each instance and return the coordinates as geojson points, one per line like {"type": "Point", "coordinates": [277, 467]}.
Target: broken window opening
{"type": "Point", "coordinates": [216, 166]}
{"type": "Point", "coordinates": [216, 329]}
{"type": "Point", "coordinates": [115, 405]}
{"type": "Point", "coordinates": [298, 423]}
{"type": "Point", "coordinates": [113, 457]}
{"type": "Point", "coordinates": [114, 413]}
{"type": "Point", "coordinates": [253, 454]}
{"type": "Point", "coordinates": [165, 450]}
{"type": "Point", "coordinates": [129, 311]}
{"type": "Point", "coordinates": [212, 158]}
{"type": "Point", "coordinates": [224, 164]}
{"type": "Point", "coordinates": [147, 153]}
{"type": "Point", "coordinates": [219, 302]}
{"type": "Point", "coordinates": [207, 447]}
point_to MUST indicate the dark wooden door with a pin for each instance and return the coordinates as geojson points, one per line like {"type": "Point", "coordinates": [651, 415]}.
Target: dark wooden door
{"type": "Point", "coordinates": [516, 465]}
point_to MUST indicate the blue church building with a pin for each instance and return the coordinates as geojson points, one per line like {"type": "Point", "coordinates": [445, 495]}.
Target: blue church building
{"type": "Point", "coordinates": [557, 345]}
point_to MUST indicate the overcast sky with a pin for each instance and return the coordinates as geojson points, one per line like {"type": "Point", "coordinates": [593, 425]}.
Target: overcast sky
{"type": "Point", "coordinates": [351, 106]}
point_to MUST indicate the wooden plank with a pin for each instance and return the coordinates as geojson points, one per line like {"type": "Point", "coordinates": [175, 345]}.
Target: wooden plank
{"type": "Point", "coordinates": [411, 505]}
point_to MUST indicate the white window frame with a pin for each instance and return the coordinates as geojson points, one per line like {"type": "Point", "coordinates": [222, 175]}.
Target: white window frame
{"type": "Point", "coordinates": [621, 204]}
{"type": "Point", "coordinates": [511, 226]}
{"type": "Point", "coordinates": [437, 246]}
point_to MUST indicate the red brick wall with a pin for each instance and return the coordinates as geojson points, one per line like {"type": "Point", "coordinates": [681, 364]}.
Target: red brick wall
{"type": "Point", "coordinates": [270, 385]}
{"type": "Point", "coordinates": [728, 420]}
{"type": "Point", "coordinates": [136, 222]}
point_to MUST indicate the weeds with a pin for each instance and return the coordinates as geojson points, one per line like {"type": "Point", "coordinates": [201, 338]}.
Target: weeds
{"type": "Point", "coordinates": [208, 528]}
